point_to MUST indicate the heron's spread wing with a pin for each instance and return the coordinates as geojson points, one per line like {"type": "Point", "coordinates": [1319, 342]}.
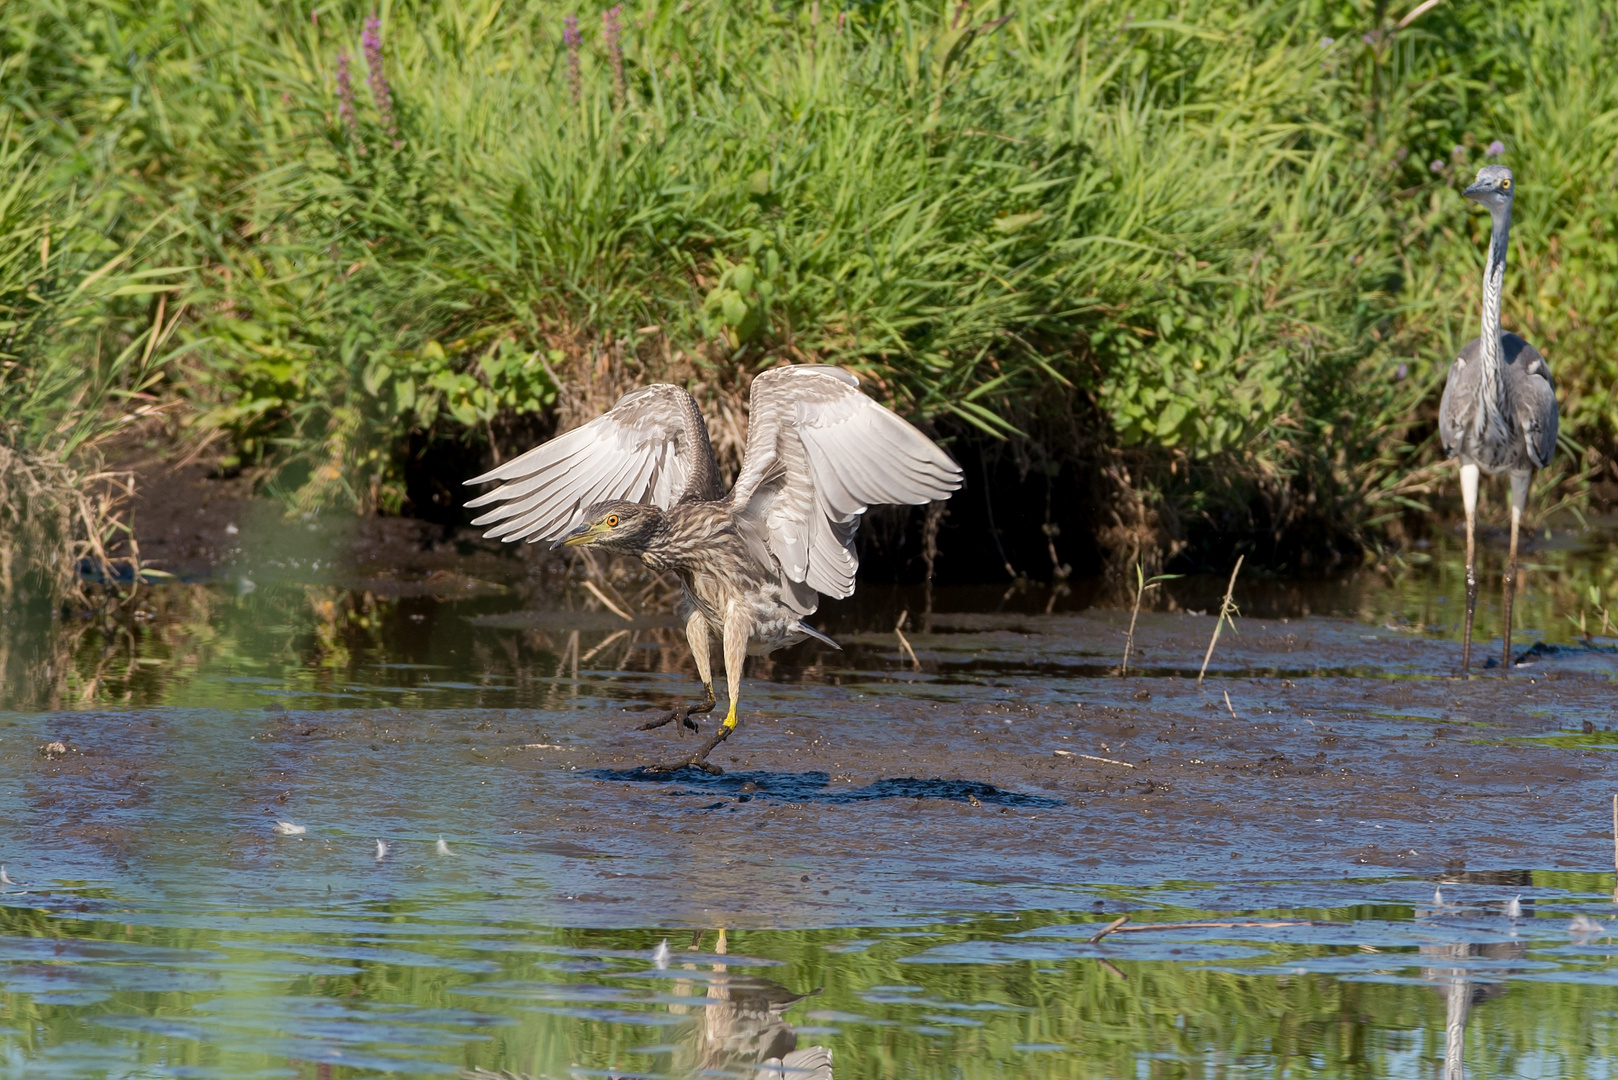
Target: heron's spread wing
{"type": "Point", "coordinates": [651, 447]}
{"type": "Point", "coordinates": [819, 453]}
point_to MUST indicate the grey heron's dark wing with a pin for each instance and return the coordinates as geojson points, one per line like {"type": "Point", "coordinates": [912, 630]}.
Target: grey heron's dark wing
{"type": "Point", "coordinates": [1456, 407]}
{"type": "Point", "coordinates": [1533, 396]}
{"type": "Point", "coordinates": [651, 447]}
{"type": "Point", "coordinates": [819, 454]}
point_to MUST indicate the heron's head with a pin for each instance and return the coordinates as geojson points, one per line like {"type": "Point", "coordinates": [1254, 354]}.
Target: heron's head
{"type": "Point", "coordinates": [1494, 188]}
{"type": "Point", "coordinates": [623, 528]}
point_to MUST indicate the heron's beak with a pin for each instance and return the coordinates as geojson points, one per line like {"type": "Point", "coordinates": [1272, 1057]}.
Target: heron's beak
{"type": "Point", "coordinates": [1477, 190]}
{"type": "Point", "coordinates": [583, 536]}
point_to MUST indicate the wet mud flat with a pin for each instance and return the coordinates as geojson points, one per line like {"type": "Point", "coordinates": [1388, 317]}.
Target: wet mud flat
{"type": "Point", "coordinates": [1007, 772]}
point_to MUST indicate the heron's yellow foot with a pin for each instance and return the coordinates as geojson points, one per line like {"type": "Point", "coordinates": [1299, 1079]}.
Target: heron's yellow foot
{"type": "Point", "coordinates": [699, 760]}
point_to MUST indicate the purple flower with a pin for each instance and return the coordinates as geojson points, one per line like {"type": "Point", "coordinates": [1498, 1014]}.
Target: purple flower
{"type": "Point", "coordinates": [615, 50]}
{"type": "Point", "coordinates": [1495, 149]}
{"type": "Point", "coordinates": [345, 100]}
{"type": "Point", "coordinates": [372, 40]}
{"type": "Point", "coordinates": [1457, 152]}
{"type": "Point", "coordinates": [1437, 166]}
{"type": "Point", "coordinates": [1400, 372]}
{"type": "Point", "coordinates": [570, 35]}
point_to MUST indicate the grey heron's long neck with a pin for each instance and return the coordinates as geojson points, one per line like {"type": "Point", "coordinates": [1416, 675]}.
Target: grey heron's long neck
{"type": "Point", "coordinates": [1494, 280]}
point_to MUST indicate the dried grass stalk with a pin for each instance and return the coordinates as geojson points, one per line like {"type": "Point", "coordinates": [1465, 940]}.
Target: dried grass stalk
{"type": "Point", "coordinates": [57, 522]}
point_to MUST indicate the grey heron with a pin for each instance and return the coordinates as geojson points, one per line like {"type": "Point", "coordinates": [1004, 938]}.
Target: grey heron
{"type": "Point", "coordinates": [641, 480]}
{"type": "Point", "coordinates": [1498, 413]}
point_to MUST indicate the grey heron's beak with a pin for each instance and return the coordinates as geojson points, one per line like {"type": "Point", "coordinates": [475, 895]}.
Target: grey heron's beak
{"type": "Point", "coordinates": [1479, 189]}
{"type": "Point", "coordinates": [583, 536]}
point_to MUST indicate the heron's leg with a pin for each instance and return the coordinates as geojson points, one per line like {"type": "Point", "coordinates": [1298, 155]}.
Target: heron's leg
{"type": "Point", "coordinates": [696, 634]}
{"type": "Point", "coordinates": [1519, 500]}
{"type": "Point", "coordinates": [1469, 499]}
{"type": "Point", "coordinates": [736, 630]}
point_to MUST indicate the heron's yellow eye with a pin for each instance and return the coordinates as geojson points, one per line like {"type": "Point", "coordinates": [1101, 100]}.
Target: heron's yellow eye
{"type": "Point", "coordinates": [612, 521]}
{"type": "Point", "coordinates": [1505, 185]}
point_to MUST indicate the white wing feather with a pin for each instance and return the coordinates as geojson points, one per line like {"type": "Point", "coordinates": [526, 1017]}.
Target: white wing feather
{"type": "Point", "coordinates": [819, 454]}
{"type": "Point", "coordinates": [635, 451]}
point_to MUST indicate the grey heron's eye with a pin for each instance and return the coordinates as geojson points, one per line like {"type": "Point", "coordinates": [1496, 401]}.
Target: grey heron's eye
{"type": "Point", "coordinates": [1505, 185]}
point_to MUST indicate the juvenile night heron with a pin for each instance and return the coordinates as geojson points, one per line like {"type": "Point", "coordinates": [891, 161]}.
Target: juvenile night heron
{"type": "Point", "coordinates": [642, 480]}
{"type": "Point", "coordinates": [1498, 413]}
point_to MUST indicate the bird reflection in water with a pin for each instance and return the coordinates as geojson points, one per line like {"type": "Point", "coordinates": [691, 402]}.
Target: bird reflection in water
{"type": "Point", "coordinates": [1449, 969]}
{"type": "Point", "coordinates": [738, 1028]}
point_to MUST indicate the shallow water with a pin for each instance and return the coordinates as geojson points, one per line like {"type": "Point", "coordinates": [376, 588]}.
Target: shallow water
{"type": "Point", "coordinates": [922, 848]}
{"type": "Point", "coordinates": [368, 984]}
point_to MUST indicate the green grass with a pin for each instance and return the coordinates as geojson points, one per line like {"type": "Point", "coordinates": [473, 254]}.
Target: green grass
{"type": "Point", "coordinates": [1202, 240]}
{"type": "Point", "coordinates": [67, 359]}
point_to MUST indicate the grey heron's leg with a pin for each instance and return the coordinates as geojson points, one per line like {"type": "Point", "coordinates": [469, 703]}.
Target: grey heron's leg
{"type": "Point", "coordinates": [737, 629]}
{"type": "Point", "coordinates": [696, 634]}
{"type": "Point", "coordinates": [1469, 499]}
{"type": "Point", "coordinates": [1519, 501]}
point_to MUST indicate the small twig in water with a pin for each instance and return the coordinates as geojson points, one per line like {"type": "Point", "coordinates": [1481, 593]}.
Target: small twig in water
{"type": "Point", "coordinates": [1110, 928]}
{"type": "Point", "coordinates": [591, 655]}
{"type": "Point", "coordinates": [1226, 610]}
{"type": "Point", "coordinates": [605, 602]}
{"type": "Point", "coordinates": [570, 650]}
{"type": "Point", "coordinates": [1091, 757]}
{"type": "Point", "coordinates": [899, 629]}
{"type": "Point", "coordinates": [1112, 969]}
{"type": "Point", "coordinates": [1142, 583]}
{"type": "Point", "coordinates": [1231, 707]}
{"type": "Point", "coordinates": [1615, 844]}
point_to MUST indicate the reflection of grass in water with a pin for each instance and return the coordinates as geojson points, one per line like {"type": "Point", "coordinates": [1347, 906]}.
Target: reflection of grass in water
{"type": "Point", "coordinates": [1174, 1014]}
{"type": "Point", "coordinates": [1556, 587]}
{"type": "Point", "coordinates": [307, 646]}
{"type": "Point", "coordinates": [323, 640]}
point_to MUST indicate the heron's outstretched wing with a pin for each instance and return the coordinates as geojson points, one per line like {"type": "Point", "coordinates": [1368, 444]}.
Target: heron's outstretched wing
{"type": "Point", "coordinates": [651, 447]}
{"type": "Point", "coordinates": [1533, 396]}
{"type": "Point", "coordinates": [819, 453]}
